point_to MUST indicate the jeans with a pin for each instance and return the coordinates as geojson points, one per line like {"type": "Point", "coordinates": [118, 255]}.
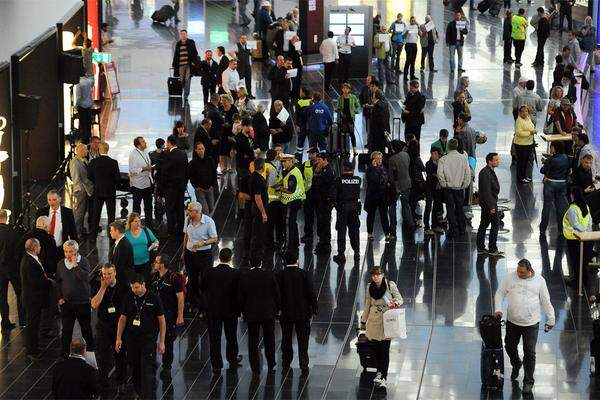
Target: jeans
{"type": "Point", "coordinates": [396, 52]}
{"type": "Point", "coordinates": [317, 139]}
{"type": "Point", "coordinates": [555, 196]}
{"type": "Point", "coordinates": [458, 48]}
{"type": "Point", "coordinates": [427, 52]}
{"type": "Point", "coordinates": [383, 70]}
{"type": "Point", "coordinates": [206, 197]}
{"type": "Point", "coordinates": [146, 196]}
{"type": "Point", "coordinates": [380, 206]}
{"type": "Point", "coordinates": [511, 341]}
{"type": "Point", "coordinates": [519, 47]}
{"type": "Point", "coordinates": [455, 213]}
{"type": "Point", "coordinates": [185, 76]}
{"type": "Point", "coordinates": [487, 218]}
{"type": "Point", "coordinates": [407, 214]}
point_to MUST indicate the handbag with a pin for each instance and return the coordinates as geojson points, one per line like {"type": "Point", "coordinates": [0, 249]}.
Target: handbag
{"type": "Point", "coordinates": [548, 126]}
{"type": "Point", "coordinates": [153, 252]}
{"type": "Point", "coordinates": [394, 323]}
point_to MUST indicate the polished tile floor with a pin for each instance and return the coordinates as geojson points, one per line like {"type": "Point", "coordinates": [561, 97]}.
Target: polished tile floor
{"type": "Point", "coordinates": [445, 285]}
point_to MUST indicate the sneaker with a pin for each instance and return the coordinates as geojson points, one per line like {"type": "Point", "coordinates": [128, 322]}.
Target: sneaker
{"type": "Point", "coordinates": [482, 251]}
{"type": "Point", "coordinates": [496, 253]}
{"type": "Point", "coordinates": [377, 379]}
{"type": "Point", "coordinates": [527, 179]}
{"type": "Point", "coordinates": [382, 384]}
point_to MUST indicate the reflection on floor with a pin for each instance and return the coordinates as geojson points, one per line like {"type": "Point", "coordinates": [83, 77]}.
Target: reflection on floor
{"type": "Point", "coordinates": [445, 285]}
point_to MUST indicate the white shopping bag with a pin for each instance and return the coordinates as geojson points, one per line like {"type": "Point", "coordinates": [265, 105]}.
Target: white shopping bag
{"type": "Point", "coordinates": [394, 323]}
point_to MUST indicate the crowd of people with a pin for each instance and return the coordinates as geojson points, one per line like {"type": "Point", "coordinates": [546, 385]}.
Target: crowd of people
{"type": "Point", "coordinates": [141, 294]}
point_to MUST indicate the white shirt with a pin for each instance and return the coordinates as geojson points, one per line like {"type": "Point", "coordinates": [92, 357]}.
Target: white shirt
{"type": "Point", "coordinates": [345, 44]}
{"type": "Point", "coordinates": [205, 229]}
{"type": "Point", "coordinates": [329, 50]}
{"type": "Point", "coordinates": [231, 79]}
{"type": "Point", "coordinates": [36, 258]}
{"type": "Point", "coordinates": [524, 299]}
{"type": "Point", "coordinates": [412, 34]}
{"type": "Point", "coordinates": [137, 160]}
{"type": "Point", "coordinates": [58, 228]}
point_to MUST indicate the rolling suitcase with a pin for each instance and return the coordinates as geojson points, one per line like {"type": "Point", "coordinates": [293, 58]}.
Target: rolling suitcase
{"type": "Point", "coordinates": [163, 14]}
{"type": "Point", "coordinates": [174, 85]}
{"type": "Point", "coordinates": [483, 6]}
{"type": "Point", "coordinates": [367, 352]}
{"type": "Point", "coordinates": [490, 329]}
{"type": "Point", "coordinates": [495, 7]}
{"type": "Point", "coordinates": [492, 368]}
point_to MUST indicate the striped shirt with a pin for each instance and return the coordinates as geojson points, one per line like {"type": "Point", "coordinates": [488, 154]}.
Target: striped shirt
{"type": "Point", "coordinates": [183, 54]}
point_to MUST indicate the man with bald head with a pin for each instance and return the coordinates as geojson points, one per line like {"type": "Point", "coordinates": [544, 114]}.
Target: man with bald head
{"type": "Point", "coordinates": [83, 188]}
{"type": "Point", "coordinates": [104, 173]}
{"type": "Point", "coordinates": [74, 378]}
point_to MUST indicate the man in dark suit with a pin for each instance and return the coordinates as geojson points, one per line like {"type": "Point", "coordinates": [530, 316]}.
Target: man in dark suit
{"type": "Point", "coordinates": [183, 58]}
{"type": "Point", "coordinates": [103, 171]}
{"type": "Point", "coordinates": [220, 285]}
{"type": "Point", "coordinates": [35, 295]}
{"type": "Point", "coordinates": [208, 73]}
{"type": "Point", "coordinates": [488, 201]}
{"type": "Point", "coordinates": [259, 298]}
{"type": "Point", "coordinates": [9, 271]}
{"type": "Point", "coordinates": [217, 119]}
{"type": "Point", "coordinates": [281, 83]}
{"type": "Point", "coordinates": [298, 305]}
{"type": "Point", "coordinates": [121, 252]}
{"type": "Point", "coordinates": [244, 65]}
{"type": "Point", "coordinates": [174, 182]}
{"type": "Point", "coordinates": [223, 65]}
{"type": "Point", "coordinates": [62, 220]}
{"type": "Point", "coordinates": [74, 378]}
{"type": "Point", "coordinates": [202, 135]}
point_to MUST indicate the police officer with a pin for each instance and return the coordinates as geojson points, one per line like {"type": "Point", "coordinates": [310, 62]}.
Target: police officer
{"type": "Point", "coordinates": [292, 196]}
{"type": "Point", "coordinates": [347, 204]}
{"type": "Point", "coordinates": [108, 301]}
{"type": "Point", "coordinates": [274, 206]}
{"type": "Point", "coordinates": [143, 315]}
{"type": "Point", "coordinates": [307, 169]}
{"type": "Point", "coordinates": [168, 286]}
{"type": "Point", "coordinates": [322, 185]}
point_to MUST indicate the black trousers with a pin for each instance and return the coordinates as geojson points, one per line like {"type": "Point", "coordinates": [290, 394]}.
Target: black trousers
{"type": "Point", "coordinates": [396, 57]}
{"type": "Point", "coordinates": [329, 71]}
{"type": "Point", "coordinates": [254, 241]}
{"type": "Point", "coordinates": [146, 196]}
{"type": "Point", "coordinates": [411, 57]}
{"type": "Point", "coordinates": [455, 213]}
{"type": "Point", "coordinates": [167, 358]}
{"type": "Point", "coordinates": [567, 13]}
{"type": "Point", "coordinates": [347, 219]}
{"type": "Point", "coordinates": [427, 52]}
{"type": "Point", "coordinates": [324, 222]}
{"type": "Point", "coordinates": [196, 264]}
{"type": "Point", "coordinates": [514, 333]}
{"type": "Point", "coordinates": [573, 252]}
{"type": "Point", "coordinates": [15, 280]}
{"type": "Point", "coordinates": [268, 329]}
{"type": "Point", "coordinates": [383, 356]}
{"type": "Point", "coordinates": [140, 355]}
{"type": "Point", "coordinates": [433, 202]}
{"type": "Point", "coordinates": [382, 207]}
{"type": "Point", "coordinates": [216, 326]}
{"type": "Point", "coordinates": [111, 204]}
{"type": "Point", "coordinates": [85, 124]}
{"type": "Point", "coordinates": [302, 329]}
{"type": "Point", "coordinates": [207, 90]}
{"type": "Point", "coordinates": [275, 223]}
{"type": "Point", "coordinates": [309, 213]}
{"type": "Point", "coordinates": [539, 55]}
{"type": "Point", "coordinates": [247, 77]}
{"type": "Point", "coordinates": [523, 153]}
{"type": "Point", "coordinates": [344, 71]}
{"type": "Point", "coordinates": [507, 50]}
{"type": "Point", "coordinates": [33, 311]}
{"type": "Point", "coordinates": [519, 47]}
{"type": "Point", "coordinates": [107, 357]}
{"type": "Point", "coordinates": [292, 239]}
{"type": "Point", "coordinates": [413, 125]}
{"type": "Point", "coordinates": [68, 314]}
{"type": "Point", "coordinates": [174, 201]}
{"type": "Point", "coordinates": [488, 219]}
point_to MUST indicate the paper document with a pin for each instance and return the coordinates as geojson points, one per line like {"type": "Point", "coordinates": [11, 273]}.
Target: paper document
{"type": "Point", "coordinates": [298, 45]}
{"type": "Point", "coordinates": [283, 115]}
{"type": "Point", "coordinates": [461, 24]}
{"type": "Point", "coordinates": [382, 37]}
{"type": "Point", "coordinates": [429, 26]}
{"type": "Point", "coordinates": [399, 28]}
{"type": "Point", "coordinates": [292, 73]}
{"type": "Point", "coordinates": [288, 35]}
{"type": "Point", "coordinates": [252, 44]}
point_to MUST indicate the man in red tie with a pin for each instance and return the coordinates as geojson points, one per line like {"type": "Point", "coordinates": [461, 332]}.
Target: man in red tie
{"type": "Point", "coordinates": [62, 221]}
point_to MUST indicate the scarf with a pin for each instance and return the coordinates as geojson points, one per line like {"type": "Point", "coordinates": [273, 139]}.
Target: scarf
{"type": "Point", "coordinates": [377, 292]}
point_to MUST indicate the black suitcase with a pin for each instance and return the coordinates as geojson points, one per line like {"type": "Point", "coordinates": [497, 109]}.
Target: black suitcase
{"type": "Point", "coordinates": [495, 7]}
{"type": "Point", "coordinates": [175, 88]}
{"type": "Point", "coordinates": [367, 352]}
{"type": "Point", "coordinates": [492, 368]}
{"type": "Point", "coordinates": [163, 14]}
{"type": "Point", "coordinates": [483, 6]}
{"type": "Point", "coordinates": [490, 329]}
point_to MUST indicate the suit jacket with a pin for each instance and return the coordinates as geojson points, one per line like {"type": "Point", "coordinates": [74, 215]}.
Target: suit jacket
{"type": "Point", "coordinates": [451, 39]}
{"type": "Point", "coordinates": [104, 172]}
{"type": "Point", "coordinates": [201, 135]}
{"type": "Point", "coordinates": [258, 295]}
{"type": "Point", "coordinates": [35, 285]}
{"type": "Point", "coordinates": [174, 170]}
{"type": "Point", "coordinates": [50, 255]}
{"type": "Point", "coordinates": [488, 189]}
{"type": "Point", "coordinates": [209, 73]}
{"type": "Point", "coordinates": [298, 298]}
{"type": "Point", "coordinates": [9, 250]}
{"type": "Point", "coordinates": [73, 378]}
{"type": "Point", "coordinates": [69, 231]}
{"type": "Point", "coordinates": [280, 85]}
{"type": "Point", "coordinates": [243, 56]}
{"type": "Point", "coordinates": [223, 65]}
{"type": "Point", "coordinates": [220, 286]}
{"type": "Point", "coordinates": [121, 256]}
{"type": "Point", "coordinates": [79, 175]}
{"type": "Point", "coordinates": [191, 50]}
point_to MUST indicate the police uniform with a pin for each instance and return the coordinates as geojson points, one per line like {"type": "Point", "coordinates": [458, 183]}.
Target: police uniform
{"type": "Point", "coordinates": [322, 185]}
{"type": "Point", "coordinates": [347, 196]}
{"type": "Point", "coordinates": [293, 183]}
{"type": "Point", "coordinates": [309, 204]}
{"type": "Point", "coordinates": [275, 220]}
{"type": "Point", "coordinates": [109, 311]}
{"type": "Point", "coordinates": [167, 287]}
{"type": "Point", "coordinates": [141, 330]}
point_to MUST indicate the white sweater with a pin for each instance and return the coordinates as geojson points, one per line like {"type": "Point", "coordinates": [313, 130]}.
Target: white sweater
{"type": "Point", "coordinates": [524, 299]}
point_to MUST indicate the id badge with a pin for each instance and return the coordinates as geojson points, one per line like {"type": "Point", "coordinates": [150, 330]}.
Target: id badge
{"type": "Point", "coordinates": [111, 310]}
{"type": "Point", "coordinates": [137, 322]}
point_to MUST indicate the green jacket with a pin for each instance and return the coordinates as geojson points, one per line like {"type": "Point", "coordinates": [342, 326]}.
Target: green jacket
{"type": "Point", "coordinates": [381, 49]}
{"type": "Point", "coordinates": [354, 105]}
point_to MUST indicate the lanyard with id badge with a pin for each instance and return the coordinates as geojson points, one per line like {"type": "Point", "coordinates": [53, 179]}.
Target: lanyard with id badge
{"type": "Point", "coordinates": [112, 309]}
{"type": "Point", "coordinates": [137, 321]}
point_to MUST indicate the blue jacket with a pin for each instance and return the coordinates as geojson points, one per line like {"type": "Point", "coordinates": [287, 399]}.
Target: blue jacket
{"type": "Point", "coordinates": [556, 167]}
{"type": "Point", "coordinates": [318, 118]}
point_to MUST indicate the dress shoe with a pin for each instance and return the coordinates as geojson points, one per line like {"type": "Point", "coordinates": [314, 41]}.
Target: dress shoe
{"type": "Point", "coordinates": [527, 388]}
{"type": "Point", "coordinates": [305, 370]}
{"type": "Point", "coordinates": [339, 258]}
{"type": "Point", "coordinates": [8, 326]}
{"type": "Point", "coordinates": [216, 371]}
{"type": "Point", "coordinates": [37, 356]}
{"type": "Point", "coordinates": [271, 369]}
{"type": "Point", "coordinates": [306, 239]}
{"type": "Point", "coordinates": [515, 372]}
{"type": "Point", "coordinates": [165, 372]}
{"type": "Point", "coordinates": [237, 362]}
{"type": "Point", "coordinates": [461, 70]}
{"type": "Point", "coordinates": [357, 256]}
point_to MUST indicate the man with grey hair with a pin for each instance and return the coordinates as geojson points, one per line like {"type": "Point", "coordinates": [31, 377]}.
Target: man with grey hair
{"type": "Point", "coordinates": [49, 255]}
{"type": "Point", "coordinates": [74, 378]}
{"type": "Point", "coordinates": [200, 233]}
{"type": "Point", "coordinates": [73, 284]}
{"type": "Point", "coordinates": [9, 270]}
{"type": "Point", "coordinates": [83, 188]}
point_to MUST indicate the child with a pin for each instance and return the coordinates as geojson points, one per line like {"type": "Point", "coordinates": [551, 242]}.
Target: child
{"type": "Point", "coordinates": [433, 195]}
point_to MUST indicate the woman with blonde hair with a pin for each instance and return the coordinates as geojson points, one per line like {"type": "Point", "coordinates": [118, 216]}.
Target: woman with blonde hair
{"type": "Point", "coordinates": [244, 104]}
{"type": "Point", "coordinates": [227, 136]}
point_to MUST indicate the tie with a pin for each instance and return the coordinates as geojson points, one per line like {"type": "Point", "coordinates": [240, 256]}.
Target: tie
{"type": "Point", "coordinates": [52, 223]}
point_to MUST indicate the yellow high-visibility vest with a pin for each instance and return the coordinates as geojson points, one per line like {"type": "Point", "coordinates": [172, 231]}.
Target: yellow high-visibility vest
{"type": "Point", "coordinates": [299, 193]}
{"type": "Point", "coordinates": [308, 174]}
{"type": "Point", "coordinates": [273, 190]}
{"type": "Point", "coordinates": [583, 221]}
